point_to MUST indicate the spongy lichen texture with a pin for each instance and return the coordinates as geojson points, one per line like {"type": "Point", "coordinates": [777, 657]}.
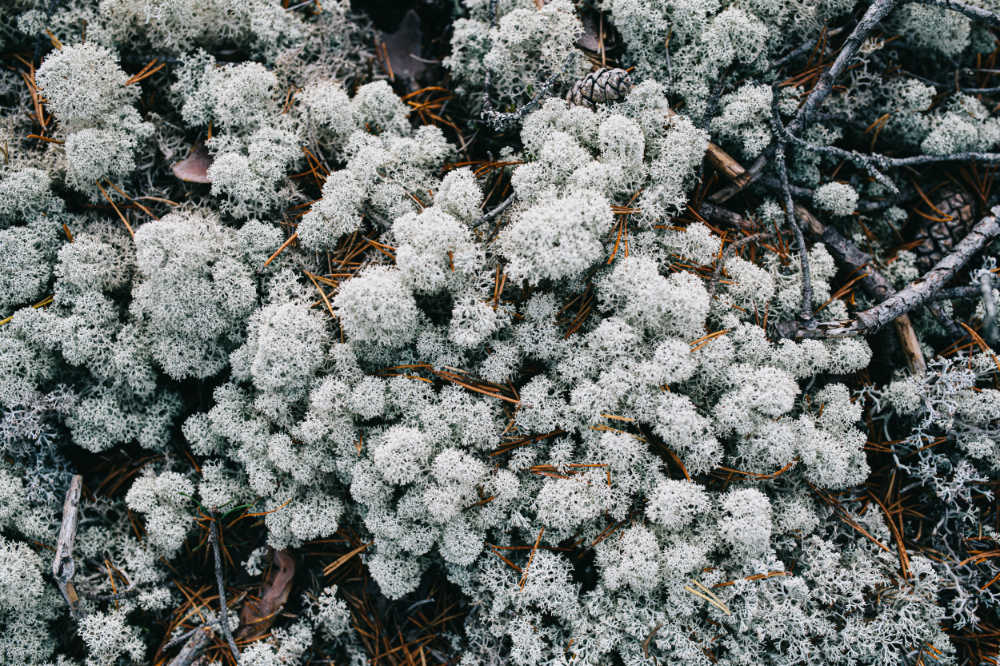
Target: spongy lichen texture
{"type": "Point", "coordinates": [520, 369]}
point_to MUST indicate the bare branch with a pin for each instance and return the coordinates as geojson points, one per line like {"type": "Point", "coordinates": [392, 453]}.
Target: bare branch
{"type": "Point", "coordinates": [974, 13]}
{"type": "Point", "coordinates": [213, 537]}
{"type": "Point", "coordinates": [63, 566]}
{"type": "Point", "coordinates": [495, 212]}
{"type": "Point", "coordinates": [195, 645]}
{"type": "Point", "coordinates": [807, 293]}
{"type": "Point", "coordinates": [721, 215]}
{"type": "Point", "coordinates": [914, 295]}
{"type": "Point", "coordinates": [877, 11]}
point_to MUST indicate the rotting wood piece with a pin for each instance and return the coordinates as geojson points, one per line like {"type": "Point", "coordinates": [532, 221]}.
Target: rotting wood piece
{"type": "Point", "coordinates": [63, 566]}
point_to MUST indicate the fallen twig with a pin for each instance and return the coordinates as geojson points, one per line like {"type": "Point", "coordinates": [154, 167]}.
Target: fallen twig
{"type": "Point", "coordinates": [914, 295]}
{"type": "Point", "coordinates": [63, 566]}
{"type": "Point", "coordinates": [806, 313]}
{"type": "Point", "coordinates": [196, 643]}
{"type": "Point", "coordinates": [213, 538]}
{"type": "Point", "coordinates": [504, 205]}
{"type": "Point", "coordinates": [876, 11]}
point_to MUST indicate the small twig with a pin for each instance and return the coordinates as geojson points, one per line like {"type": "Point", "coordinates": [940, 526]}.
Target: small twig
{"type": "Point", "coordinates": [130, 591]}
{"type": "Point", "coordinates": [223, 608]}
{"type": "Point", "coordinates": [504, 205]}
{"type": "Point", "coordinates": [990, 332]}
{"type": "Point", "coordinates": [974, 13]}
{"type": "Point", "coordinates": [914, 295]}
{"type": "Point", "coordinates": [196, 644]}
{"type": "Point", "coordinates": [873, 282]}
{"type": "Point", "coordinates": [721, 215]}
{"type": "Point", "coordinates": [877, 11]}
{"type": "Point", "coordinates": [792, 220]}
{"type": "Point", "coordinates": [499, 120]}
{"type": "Point", "coordinates": [866, 162]}
{"type": "Point", "coordinates": [63, 566]}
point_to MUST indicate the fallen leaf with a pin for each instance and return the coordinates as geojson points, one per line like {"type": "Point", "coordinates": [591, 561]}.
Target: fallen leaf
{"type": "Point", "coordinates": [194, 167]}
{"type": "Point", "coordinates": [256, 617]}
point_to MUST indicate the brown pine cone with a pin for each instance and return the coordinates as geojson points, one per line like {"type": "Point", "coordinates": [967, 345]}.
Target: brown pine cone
{"type": "Point", "coordinates": [940, 237]}
{"type": "Point", "coordinates": [601, 86]}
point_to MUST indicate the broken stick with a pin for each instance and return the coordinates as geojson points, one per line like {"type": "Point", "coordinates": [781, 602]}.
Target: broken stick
{"type": "Point", "coordinates": [63, 566]}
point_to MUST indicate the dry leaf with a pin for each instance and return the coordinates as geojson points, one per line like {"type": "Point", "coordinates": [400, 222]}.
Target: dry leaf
{"type": "Point", "coordinates": [194, 168]}
{"type": "Point", "coordinates": [256, 617]}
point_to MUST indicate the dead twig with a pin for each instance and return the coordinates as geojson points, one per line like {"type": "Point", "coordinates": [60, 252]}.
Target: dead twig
{"type": "Point", "coordinates": [914, 295]}
{"type": "Point", "coordinates": [504, 205]}
{"type": "Point", "coordinates": [876, 11]}
{"type": "Point", "coordinates": [198, 640]}
{"type": "Point", "coordinates": [974, 13]}
{"type": "Point", "coordinates": [499, 120]}
{"type": "Point", "coordinates": [213, 537]}
{"type": "Point", "coordinates": [63, 566]}
{"type": "Point", "coordinates": [793, 222]}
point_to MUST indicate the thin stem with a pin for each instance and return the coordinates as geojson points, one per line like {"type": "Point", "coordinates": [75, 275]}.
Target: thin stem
{"type": "Point", "coordinates": [224, 611]}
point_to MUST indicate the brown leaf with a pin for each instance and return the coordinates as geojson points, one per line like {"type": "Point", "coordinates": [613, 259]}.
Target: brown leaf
{"type": "Point", "coordinates": [194, 168]}
{"type": "Point", "coordinates": [256, 617]}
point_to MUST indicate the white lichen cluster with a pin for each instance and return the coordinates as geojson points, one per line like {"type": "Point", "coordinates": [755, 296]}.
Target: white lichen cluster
{"type": "Point", "coordinates": [572, 411]}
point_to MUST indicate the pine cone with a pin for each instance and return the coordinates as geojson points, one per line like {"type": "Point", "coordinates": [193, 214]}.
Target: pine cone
{"type": "Point", "coordinates": [599, 87]}
{"type": "Point", "coordinates": [940, 237]}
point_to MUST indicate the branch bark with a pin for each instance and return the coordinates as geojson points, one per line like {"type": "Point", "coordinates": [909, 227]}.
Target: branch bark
{"type": "Point", "coordinates": [877, 11]}
{"type": "Point", "coordinates": [223, 608]}
{"type": "Point", "coordinates": [63, 566]}
{"type": "Point", "coordinates": [873, 283]}
{"type": "Point", "coordinates": [193, 648]}
{"type": "Point", "coordinates": [974, 13]}
{"type": "Point", "coordinates": [914, 295]}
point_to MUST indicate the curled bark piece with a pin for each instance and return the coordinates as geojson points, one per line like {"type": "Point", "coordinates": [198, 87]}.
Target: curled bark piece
{"type": "Point", "coordinates": [63, 566]}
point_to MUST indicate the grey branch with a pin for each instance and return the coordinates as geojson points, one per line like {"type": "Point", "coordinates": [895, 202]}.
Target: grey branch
{"type": "Point", "coordinates": [914, 295]}
{"type": "Point", "coordinates": [806, 312]}
{"type": "Point", "coordinates": [721, 215]}
{"type": "Point", "coordinates": [991, 333]}
{"type": "Point", "coordinates": [974, 13]}
{"type": "Point", "coordinates": [877, 11]}
{"type": "Point", "coordinates": [504, 205]}
{"type": "Point", "coordinates": [874, 284]}
{"type": "Point", "coordinates": [847, 252]}
{"type": "Point", "coordinates": [63, 566]}
{"type": "Point", "coordinates": [223, 608]}
{"type": "Point", "coordinates": [195, 645]}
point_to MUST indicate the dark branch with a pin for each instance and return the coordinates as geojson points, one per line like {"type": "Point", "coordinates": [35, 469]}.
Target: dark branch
{"type": "Point", "coordinates": [877, 11]}
{"type": "Point", "coordinates": [974, 13]}
{"type": "Point", "coordinates": [806, 308]}
{"type": "Point", "coordinates": [223, 608]}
